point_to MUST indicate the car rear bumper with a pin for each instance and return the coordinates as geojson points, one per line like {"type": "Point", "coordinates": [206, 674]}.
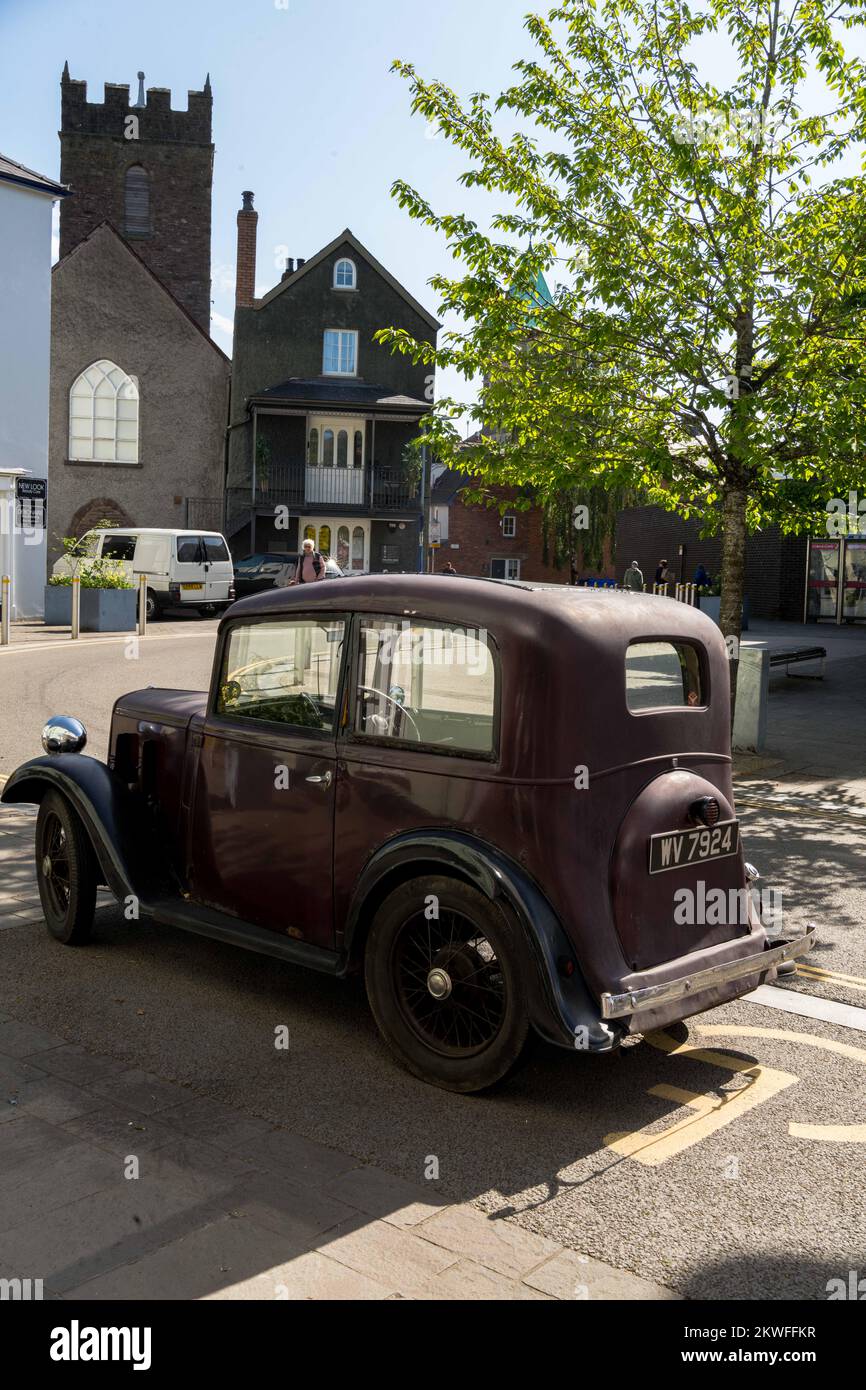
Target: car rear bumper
{"type": "Point", "coordinates": [659, 996]}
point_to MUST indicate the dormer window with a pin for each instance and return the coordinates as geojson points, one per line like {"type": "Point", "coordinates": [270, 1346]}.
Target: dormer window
{"type": "Point", "coordinates": [345, 275]}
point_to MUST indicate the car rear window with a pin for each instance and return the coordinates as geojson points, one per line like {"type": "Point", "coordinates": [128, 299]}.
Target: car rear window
{"type": "Point", "coordinates": [189, 550]}
{"type": "Point", "coordinates": [216, 548]}
{"type": "Point", "coordinates": [663, 675]}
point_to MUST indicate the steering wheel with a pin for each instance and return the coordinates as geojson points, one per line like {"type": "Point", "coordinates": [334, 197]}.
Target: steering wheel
{"type": "Point", "coordinates": [371, 690]}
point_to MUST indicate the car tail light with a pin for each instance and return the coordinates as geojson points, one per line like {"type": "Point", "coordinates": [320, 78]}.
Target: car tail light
{"type": "Point", "coordinates": [705, 810]}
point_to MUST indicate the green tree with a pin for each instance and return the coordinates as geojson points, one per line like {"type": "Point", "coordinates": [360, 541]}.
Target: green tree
{"type": "Point", "coordinates": [707, 347]}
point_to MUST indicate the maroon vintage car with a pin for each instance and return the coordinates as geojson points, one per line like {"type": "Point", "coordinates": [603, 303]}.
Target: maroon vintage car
{"type": "Point", "coordinates": [508, 804]}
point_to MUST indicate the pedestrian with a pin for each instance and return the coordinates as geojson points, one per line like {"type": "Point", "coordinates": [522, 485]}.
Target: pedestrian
{"type": "Point", "coordinates": [311, 566]}
{"type": "Point", "coordinates": [448, 569]}
{"type": "Point", "coordinates": [633, 577]}
{"type": "Point", "coordinates": [662, 572]}
{"type": "Point", "coordinates": [702, 579]}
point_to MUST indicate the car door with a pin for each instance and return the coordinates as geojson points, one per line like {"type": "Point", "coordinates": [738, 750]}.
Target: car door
{"type": "Point", "coordinates": [189, 570]}
{"type": "Point", "coordinates": [218, 570]}
{"type": "Point", "coordinates": [261, 832]}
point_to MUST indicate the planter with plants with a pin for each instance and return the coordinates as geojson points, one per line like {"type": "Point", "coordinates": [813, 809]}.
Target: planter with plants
{"type": "Point", "coordinates": [107, 596]}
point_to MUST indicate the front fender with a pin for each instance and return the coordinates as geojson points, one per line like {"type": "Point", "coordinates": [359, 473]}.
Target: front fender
{"type": "Point", "coordinates": [113, 817]}
{"type": "Point", "coordinates": [562, 1009]}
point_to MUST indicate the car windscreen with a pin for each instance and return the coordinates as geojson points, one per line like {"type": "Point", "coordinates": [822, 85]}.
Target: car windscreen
{"type": "Point", "coordinates": [662, 676]}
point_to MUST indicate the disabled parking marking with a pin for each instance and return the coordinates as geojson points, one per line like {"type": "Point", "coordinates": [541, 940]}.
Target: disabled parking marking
{"type": "Point", "coordinates": [836, 1134]}
{"type": "Point", "coordinates": [712, 1111]}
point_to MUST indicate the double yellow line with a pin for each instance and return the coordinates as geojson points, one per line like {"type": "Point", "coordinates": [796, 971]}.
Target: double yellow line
{"type": "Point", "coordinates": [829, 977]}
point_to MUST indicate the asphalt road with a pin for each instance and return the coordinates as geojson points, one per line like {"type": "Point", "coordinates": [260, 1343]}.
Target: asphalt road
{"type": "Point", "coordinates": [84, 678]}
{"type": "Point", "coordinates": [725, 1184]}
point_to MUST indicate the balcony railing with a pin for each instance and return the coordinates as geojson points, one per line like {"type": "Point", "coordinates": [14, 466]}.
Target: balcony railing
{"type": "Point", "coordinates": [374, 487]}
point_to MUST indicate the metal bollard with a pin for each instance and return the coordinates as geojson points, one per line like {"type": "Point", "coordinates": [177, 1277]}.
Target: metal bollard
{"type": "Point", "coordinates": [6, 592]}
{"type": "Point", "coordinates": [76, 606]}
{"type": "Point", "coordinates": [142, 605]}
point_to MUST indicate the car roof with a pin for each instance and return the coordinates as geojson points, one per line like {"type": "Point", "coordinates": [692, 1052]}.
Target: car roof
{"type": "Point", "coordinates": [152, 531]}
{"type": "Point", "coordinates": [606, 617]}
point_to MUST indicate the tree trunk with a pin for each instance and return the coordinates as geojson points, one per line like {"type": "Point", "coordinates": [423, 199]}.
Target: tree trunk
{"type": "Point", "coordinates": [733, 579]}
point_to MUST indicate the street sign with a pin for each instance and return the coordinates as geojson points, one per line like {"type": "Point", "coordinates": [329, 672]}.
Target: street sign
{"type": "Point", "coordinates": [32, 488]}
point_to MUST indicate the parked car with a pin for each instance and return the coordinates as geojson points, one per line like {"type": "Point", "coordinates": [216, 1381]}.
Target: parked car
{"type": "Point", "coordinates": [273, 569]}
{"type": "Point", "coordinates": [487, 796]}
{"type": "Point", "coordinates": [185, 569]}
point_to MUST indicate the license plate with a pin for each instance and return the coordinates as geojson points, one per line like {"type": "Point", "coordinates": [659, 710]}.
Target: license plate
{"type": "Point", "coordinates": [192, 586]}
{"type": "Point", "coordinates": [677, 848]}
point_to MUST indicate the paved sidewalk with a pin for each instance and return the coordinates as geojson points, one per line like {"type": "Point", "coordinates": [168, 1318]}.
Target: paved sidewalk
{"type": "Point", "coordinates": [117, 1184]}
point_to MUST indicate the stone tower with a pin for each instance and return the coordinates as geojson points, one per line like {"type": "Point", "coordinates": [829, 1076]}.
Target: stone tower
{"type": "Point", "coordinates": [148, 170]}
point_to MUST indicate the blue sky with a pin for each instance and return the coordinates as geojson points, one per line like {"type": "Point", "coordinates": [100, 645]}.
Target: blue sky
{"type": "Point", "coordinates": [306, 112]}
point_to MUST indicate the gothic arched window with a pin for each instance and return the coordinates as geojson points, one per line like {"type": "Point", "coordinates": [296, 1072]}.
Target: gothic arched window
{"type": "Point", "coordinates": [136, 214]}
{"type": "Point", "coordinates": [103, 415]}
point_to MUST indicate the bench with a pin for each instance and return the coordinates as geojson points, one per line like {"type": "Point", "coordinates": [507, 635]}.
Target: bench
{"type": "Point", "coordinates": [793, 655]}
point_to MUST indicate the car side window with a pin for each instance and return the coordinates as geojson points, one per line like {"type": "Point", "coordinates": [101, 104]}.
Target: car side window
{"type": "Point", "coordinates": [427, 683]}
{"type": "Point", "coordinates": [282, 672]}
{"type": "Point", "coordinates": [118, 547]}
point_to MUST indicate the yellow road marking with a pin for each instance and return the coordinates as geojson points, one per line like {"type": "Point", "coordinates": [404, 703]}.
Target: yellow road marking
{"type": "Point", "coordinates": [68, 645]}
{"type": "Point", "coordinates": [814, 972]}
{"type": "Point", "coordinates": [837, 1134]}
{"type": "Point", "coordinates": [712, 1112]}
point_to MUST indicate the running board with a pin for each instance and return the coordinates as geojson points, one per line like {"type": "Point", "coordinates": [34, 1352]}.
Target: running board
{"type": "Point", "coordinates": [219, 926]}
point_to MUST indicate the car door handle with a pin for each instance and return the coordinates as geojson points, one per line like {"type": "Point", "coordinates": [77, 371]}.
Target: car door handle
{"type": "Point", "coordinates": [324, 779]}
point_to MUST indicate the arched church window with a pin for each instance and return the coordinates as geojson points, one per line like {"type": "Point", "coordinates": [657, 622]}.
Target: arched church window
{"type": "Point", "coordinates": [103, 415]}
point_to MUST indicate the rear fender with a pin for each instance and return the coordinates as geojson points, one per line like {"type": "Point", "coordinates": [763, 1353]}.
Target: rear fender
{"type": "Point", "coordinates": [561, 1007]}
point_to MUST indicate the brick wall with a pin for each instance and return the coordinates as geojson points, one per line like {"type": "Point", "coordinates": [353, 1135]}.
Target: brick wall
{"type": "Point", "coordinates": [477, 533]}
{"type": "Point", "coordinates": [775, 564]}
{"type": "Point", "coordinates": [245, 279]}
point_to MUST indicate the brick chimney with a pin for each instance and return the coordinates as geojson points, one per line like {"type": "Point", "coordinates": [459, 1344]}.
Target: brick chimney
{"type": "Point", "coordinates": [245, 281]}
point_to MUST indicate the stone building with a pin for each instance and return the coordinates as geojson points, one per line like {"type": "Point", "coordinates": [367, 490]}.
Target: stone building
{"type": "Point", "coordinates": [139, 391]}
{"type": "Point", "coordinates": [321, 414]}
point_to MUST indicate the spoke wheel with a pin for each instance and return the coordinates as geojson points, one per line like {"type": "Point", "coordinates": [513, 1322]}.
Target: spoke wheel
{"type": "Point", "coordinates": [66, 871]}
{"type": "Point", "coordinates": [449, 983]}
{"type": "Point", "coordinates": [446, 981]}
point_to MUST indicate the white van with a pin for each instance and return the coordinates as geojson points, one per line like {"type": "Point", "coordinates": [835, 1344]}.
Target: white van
{"type": "Point", "coordinates": [185, 569]}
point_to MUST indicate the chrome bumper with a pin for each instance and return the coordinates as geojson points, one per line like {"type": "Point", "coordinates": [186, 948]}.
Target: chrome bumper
{"type": "Point", "coordinates": [637, 1001]}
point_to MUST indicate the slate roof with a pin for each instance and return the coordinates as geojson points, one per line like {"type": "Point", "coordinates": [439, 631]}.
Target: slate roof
{"type": "Point", "coordinates": [333, 391]}
{"type": "Point", "coordinates": [13, 172]}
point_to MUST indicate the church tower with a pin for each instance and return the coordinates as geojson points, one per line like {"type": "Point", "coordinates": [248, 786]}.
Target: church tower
{"type": "Point", "coordinates": [148, 170]}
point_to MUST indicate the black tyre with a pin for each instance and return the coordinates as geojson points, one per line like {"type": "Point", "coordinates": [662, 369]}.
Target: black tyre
{"type": "Point", "coordinates": [152, 606]}
{"type": "Point", "coordinates": [447, 991]}
{"type": "Point", "coordinates": [66, 871]}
